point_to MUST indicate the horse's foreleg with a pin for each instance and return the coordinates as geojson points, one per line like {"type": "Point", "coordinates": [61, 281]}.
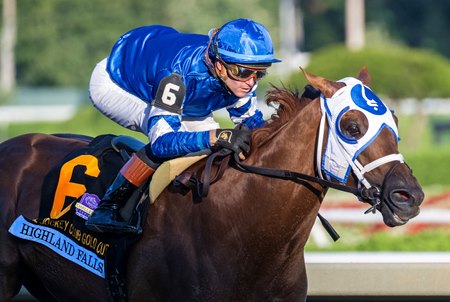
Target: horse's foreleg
{"type": "Point", "coordinates": [9, 286]}
{"type": "Point", "coordinates": [10, 270]}
{"type": "Point", "coordinates": [10, 278]}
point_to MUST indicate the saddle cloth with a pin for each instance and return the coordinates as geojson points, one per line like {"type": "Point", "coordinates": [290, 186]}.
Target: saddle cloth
{"type": "Point", "coordinates": [71, 192]}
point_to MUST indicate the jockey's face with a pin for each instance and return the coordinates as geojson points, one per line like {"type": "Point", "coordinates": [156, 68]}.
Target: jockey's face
{"type": "Point", "coordinates": [240, 86]}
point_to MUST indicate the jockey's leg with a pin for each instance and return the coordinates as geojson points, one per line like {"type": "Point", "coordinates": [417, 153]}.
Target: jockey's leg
{"type": "Point", "coordinates": [107, 218]}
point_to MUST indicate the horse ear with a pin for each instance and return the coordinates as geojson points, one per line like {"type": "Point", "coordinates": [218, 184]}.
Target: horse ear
{"type": "Point", "coordinates": [364, 76]}
{"type": "Point", "coordinates": [327, 87]}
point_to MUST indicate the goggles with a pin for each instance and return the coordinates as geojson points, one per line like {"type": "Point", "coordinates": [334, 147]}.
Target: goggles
{"type": "Point", "coordinates": [244, 73]}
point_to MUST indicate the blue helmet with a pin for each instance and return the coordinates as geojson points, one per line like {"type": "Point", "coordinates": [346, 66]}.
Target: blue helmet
{"type": "Point", "coordinates": [243, 41]}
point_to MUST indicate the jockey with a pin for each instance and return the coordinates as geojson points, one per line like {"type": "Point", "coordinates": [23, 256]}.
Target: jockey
{"type": "Point", "coordinates": [167, 84]}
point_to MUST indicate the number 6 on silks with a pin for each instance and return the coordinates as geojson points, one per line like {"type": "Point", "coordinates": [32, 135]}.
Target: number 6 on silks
{"type": "Point", "coordinates": [170, 94]}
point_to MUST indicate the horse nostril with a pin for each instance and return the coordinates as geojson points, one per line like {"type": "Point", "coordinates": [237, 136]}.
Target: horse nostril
{"type": "Point", "coordinates": [401, 196]}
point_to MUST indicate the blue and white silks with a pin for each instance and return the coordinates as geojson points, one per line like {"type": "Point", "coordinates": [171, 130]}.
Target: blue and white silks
{"type": "Point", "coordinates": [142, 57]}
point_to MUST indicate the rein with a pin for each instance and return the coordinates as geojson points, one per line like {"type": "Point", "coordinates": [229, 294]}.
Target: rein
{"type": "Point", "coordinates": [294, 176]}
{"type": "Point", "coordinates": [298, 178]}
{"type": "Point", "coordinates": [371, 195]}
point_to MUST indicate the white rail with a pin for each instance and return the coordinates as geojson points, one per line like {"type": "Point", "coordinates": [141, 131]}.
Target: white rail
{"type": "Point", "coordinates": [378, 274]}
{"type": "Point", "coordinates": [36, 113]}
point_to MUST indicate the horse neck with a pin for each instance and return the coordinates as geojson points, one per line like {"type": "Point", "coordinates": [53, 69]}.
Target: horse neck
{"type": "Point", "coordinates": [284, 204]}
{"type": "Point", "coordinates": [294, 145]}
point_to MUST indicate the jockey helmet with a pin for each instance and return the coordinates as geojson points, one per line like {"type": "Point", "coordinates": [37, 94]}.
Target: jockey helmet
{"type": "Point", "coordinates": [243, 41]}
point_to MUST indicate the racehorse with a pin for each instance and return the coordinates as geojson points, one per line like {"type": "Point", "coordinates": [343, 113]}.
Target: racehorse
{"type": "Point", "coordinates": [245, 240]}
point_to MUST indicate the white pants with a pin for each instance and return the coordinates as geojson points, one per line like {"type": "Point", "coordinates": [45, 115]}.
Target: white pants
{"type": "Point", "coordinates": [130, 111]}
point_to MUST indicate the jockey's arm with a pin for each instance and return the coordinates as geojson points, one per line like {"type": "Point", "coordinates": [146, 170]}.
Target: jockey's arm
{"type": "Point", "coordinates": [168, 138]}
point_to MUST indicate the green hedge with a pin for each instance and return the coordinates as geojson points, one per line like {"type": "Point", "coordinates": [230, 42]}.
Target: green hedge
{"type": "Point", "coordinates": [431, 166]}
{"type": "Point", "coordinates": [354, 238]}
{"type": "Point", "coordinates": [396, 71]}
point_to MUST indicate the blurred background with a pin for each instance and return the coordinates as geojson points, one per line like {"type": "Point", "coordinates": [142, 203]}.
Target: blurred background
{"type": "Point", "coordinates": [49, 48]}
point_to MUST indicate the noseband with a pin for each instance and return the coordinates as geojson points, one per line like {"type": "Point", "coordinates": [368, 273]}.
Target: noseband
{"type": "Point", "coordinates": [373, 194]}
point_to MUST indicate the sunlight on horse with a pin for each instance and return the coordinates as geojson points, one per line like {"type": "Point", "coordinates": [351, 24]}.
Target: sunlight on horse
{"type": "Point", "coordinates": [245, 240]}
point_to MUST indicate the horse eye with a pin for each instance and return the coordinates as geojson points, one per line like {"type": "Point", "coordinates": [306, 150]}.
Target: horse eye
{"type": "Point", "coordinates": [353, 130]}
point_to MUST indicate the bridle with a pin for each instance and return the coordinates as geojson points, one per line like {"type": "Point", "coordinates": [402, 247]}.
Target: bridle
{"type": "Point", "coordinates": [364, 191]}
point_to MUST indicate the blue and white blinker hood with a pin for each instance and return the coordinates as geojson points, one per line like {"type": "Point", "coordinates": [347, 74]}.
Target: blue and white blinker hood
{"type": "Point", "coordinates": [341, 152]}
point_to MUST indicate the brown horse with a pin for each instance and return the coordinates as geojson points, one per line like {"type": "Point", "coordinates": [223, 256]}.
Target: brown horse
{"type": "Point", "coordinates": [243, 242]}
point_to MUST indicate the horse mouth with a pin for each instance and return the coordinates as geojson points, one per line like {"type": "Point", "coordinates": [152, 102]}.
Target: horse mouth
{"type": "Point", "coordinates": [391, 218]}
{"type": "Point", "coordinates": [397, 209]}
{"type": "Point", "coordinates": [398, 220]}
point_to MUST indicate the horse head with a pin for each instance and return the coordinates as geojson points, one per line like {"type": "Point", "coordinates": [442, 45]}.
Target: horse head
{"type": "Point", "coordinates": [362, 143]}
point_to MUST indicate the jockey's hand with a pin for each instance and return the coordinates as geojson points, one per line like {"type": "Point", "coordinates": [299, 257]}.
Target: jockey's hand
{"type": "Point", "coordinates": [236, 140]}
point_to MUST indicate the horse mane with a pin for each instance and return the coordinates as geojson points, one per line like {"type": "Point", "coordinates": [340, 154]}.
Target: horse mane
{"type": "Point", "coordinates": [287, 103]}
